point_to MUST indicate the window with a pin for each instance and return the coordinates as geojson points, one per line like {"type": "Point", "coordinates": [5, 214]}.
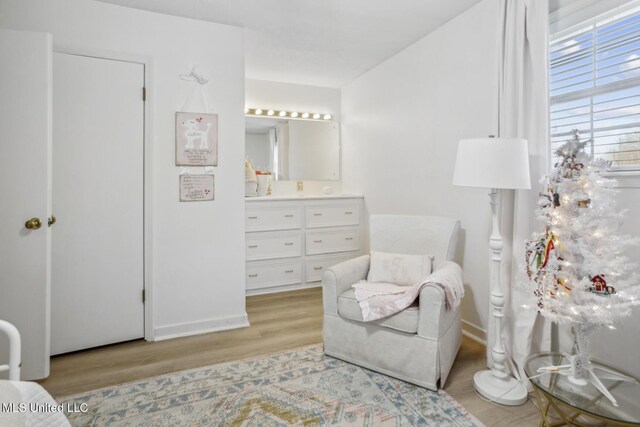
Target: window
{"type": "Point", "coordinates": [594, 86]}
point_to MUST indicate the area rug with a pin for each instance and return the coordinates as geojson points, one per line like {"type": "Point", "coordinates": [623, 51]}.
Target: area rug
{"type": "Point", "coordinates": [297, 387]}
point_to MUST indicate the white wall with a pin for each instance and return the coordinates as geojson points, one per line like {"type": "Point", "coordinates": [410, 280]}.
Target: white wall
{"type": "Point", "coordinates": [401, 124]}
{"type": "Point", "coordinates": [292, 97]}
{"type": "Point", "coordinates": [197, 251]}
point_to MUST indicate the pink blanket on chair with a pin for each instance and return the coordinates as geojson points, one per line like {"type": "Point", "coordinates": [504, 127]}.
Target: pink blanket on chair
{"type": "Point", "coordinates": [379, 300]}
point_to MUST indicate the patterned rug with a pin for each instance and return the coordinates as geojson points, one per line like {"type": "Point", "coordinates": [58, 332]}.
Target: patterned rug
{"type": "Point", "coordinates": [297, 387]}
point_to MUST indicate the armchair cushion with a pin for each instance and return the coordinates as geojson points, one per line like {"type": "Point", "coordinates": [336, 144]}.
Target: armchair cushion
{"type": "Point", "coordinates": [399, 269]}
{"type": "Point", "coordinates": [405, 321]}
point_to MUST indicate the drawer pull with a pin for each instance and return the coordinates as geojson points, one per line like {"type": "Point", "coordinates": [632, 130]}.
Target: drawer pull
{"type": "Point", "coordinates": [253, 246]}
{"type": "Point", "coordinates": [289, 216]}
{"type": "Point", "coordinates": [317, 268]}
{"type": "Point", "coordinates": [317, 214]}
{"type": "Point", "coordinates": [348, 213]}
{"type": "Point", "coordinates": [288, 271]}
{"type": "Point", "coordinates": [253, 275]}
{"type": "Point", "coordinates": [348, 238]}
{"type": "Point", "coordinates": [253, 217]}
{"type": "Point", "coordinates": [288, 243]}
{"type": "Point", "coordinates": [317, 241]}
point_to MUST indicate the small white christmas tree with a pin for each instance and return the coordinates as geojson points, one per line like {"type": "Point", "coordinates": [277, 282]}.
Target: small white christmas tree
{"type": "Point", "coordinates": [578, 267]}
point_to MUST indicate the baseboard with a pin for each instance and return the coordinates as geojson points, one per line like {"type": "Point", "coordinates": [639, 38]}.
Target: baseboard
{"type": "Point", "coordinates": [474, 332]}
{"type": "Point", "coordinates": [283, 288]}
{"type": "Point", "coordinates": [196, 328]}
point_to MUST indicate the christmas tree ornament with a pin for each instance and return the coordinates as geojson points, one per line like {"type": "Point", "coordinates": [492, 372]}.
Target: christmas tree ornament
{"type": "Point", "coordinates": [577, 268]}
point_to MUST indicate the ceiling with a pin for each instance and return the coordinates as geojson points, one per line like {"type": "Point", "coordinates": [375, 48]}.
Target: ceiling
{"type": "Point", "coordinates": [320, 43]}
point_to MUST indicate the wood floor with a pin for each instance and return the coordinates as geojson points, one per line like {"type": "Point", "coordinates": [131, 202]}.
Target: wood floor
{"type": "Point", "coordinates": [278, 322]}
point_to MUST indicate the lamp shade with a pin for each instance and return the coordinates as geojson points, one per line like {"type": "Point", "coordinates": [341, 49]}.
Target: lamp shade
{"type": "Point", "coordinates": [492, 163]}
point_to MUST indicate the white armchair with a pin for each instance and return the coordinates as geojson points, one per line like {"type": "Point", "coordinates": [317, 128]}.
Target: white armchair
{"type": "Point", "coordinates": [417, 345]}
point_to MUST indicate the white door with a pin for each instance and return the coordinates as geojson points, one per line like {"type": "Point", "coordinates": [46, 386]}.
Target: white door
{"type": "Point", "coordinates": [98, 252]}
{"type": "Point", "coordinates": [25, 165]}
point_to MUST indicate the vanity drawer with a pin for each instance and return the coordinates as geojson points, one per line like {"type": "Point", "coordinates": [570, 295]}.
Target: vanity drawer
{"type": "Point", "coordinates": [316, 265]}
{"type": "Point", "coordinates": [324, 242]}
{"type": "Point", "coordinates": [263, 275]}
{"type": "Point", "coordinates": [332, 215]}
{"type": "Point", "coordinates": [271, 245]}
{"type": "Point", "coordinates": [273, 218]}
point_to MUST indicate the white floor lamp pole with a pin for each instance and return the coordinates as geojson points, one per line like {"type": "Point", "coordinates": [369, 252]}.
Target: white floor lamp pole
{"type": "Point", "coordinates": [496, 163]}
{"type": "Point", "coordinates": [497, 384]}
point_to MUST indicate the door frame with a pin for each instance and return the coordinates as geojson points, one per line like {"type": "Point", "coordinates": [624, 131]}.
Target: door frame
{"type": "Point", "coordinates": [147, 62]}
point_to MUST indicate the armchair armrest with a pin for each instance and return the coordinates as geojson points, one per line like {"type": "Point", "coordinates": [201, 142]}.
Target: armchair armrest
{"type": "Point", "coordinates": [434, 318]}
{"type": "Point", "coordinates": [339, 278]}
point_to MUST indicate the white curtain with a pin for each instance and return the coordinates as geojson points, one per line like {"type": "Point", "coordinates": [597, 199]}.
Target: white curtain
{"type": "Point", "coordinates": [523, 113]}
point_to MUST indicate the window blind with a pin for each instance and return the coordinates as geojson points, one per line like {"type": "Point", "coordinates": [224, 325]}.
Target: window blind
{"type": "Point", "coordinates": [594, 87]}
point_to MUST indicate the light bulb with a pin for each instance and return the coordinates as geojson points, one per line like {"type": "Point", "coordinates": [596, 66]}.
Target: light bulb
{"type": "Point", "coordinates": [258, 111]}
{"type": "Point", "coordinates": [305, 115]}
{"type": "Point", "coordinates": [282, 113]}
{"type": "Point", "coordinates": [316, 116]}
{"type": "Point", "coordinates": [270, 113]}
{"type": "Point", "coordinates": [294, 114]}
{"type": "Point", "coordinates": [327, 116]}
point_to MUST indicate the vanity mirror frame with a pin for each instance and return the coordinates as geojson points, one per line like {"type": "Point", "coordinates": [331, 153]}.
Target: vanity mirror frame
{"type": "Point", "coordinates": [333, 168]}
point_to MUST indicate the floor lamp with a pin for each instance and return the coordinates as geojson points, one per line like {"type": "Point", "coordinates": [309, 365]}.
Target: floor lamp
{"type": "Point", "coordinates": [495, 163]}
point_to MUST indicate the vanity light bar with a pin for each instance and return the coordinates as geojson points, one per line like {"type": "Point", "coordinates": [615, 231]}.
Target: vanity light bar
{"type": "Point", "coordinates": [288, 114]}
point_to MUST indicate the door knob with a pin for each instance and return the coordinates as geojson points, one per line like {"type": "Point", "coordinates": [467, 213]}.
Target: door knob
{"type": "Point", "coordinates": [51, 220]}
{"type": "Point", "coordinates": [33, 224]}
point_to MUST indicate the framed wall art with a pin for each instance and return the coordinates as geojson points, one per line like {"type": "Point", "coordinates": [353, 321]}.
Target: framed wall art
{"type": "Point", "coordinates": [196, 139]}
{"type": "Point", "coordinates": [197, 188]}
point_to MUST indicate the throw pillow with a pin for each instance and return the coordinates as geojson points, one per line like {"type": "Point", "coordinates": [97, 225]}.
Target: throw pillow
{"type": "Point", "coordinates": [399, 269]}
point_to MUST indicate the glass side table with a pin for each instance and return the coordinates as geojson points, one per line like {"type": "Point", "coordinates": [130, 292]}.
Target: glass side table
{"type": "Point", "coordinates": [570, 401]}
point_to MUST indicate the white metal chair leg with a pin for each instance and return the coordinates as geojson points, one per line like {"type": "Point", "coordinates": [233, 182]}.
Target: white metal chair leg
{"type": "Point", "coordinates": [15, 346]}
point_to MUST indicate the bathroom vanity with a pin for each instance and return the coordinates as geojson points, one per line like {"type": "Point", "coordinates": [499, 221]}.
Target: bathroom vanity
{"type": "Point", "coordinates": [290, 241]}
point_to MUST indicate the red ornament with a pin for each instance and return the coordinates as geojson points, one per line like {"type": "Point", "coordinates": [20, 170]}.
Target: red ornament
{"type": "Point", "coordinates": [600, 286]}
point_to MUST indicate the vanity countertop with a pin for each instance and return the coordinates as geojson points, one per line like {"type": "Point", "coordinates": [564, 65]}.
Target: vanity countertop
{"type": "Point", "coordinates": [303, 197]}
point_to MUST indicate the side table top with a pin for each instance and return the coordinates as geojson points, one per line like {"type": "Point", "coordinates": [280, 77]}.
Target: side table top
{"type": "Point", "coordinates": [586, 398]}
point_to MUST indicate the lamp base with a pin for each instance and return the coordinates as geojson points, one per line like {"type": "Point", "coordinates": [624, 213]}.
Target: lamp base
{"type": "Point", "coordinates": [507, 391]}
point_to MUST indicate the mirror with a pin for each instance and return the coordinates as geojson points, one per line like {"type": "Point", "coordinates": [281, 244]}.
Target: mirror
{"type": "Point", "coordinates": [294, 150]}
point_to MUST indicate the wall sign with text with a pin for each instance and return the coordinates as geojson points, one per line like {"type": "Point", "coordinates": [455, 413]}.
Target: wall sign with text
{"type": "Point", "coordinates": [196, 139]}
{"type": "Point", "coordinates": [196, 188]}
